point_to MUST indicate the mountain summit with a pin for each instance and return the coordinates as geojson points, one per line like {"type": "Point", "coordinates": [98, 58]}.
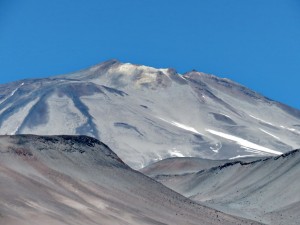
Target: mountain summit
{"type": "Point", "coordinates": [147, 114]}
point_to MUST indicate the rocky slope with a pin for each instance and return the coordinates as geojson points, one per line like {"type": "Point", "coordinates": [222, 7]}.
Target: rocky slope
{"type": "Point", "coordinates": [78, 180]}
{"type": "Point", "coordinates": [183, 165]}
{"type": "Point", "coordinates": [147, 114]}
{"type": "Point", "coordinates": [265, 190]}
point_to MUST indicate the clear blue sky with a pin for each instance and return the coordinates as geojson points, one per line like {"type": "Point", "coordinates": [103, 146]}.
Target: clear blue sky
{"type": "Point", "coordinates": [254, 42]}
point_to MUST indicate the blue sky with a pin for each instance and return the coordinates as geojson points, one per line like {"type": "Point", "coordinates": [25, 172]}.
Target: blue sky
{"type": "Point", "coordinates": [255, 43]}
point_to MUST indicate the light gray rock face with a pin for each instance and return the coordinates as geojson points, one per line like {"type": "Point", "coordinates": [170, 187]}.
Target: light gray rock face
{"type": "Point", "coordinates": [147, 114]}
{"type": "Point", "coordinates": [265, 190]}
{"type": "Point", "coordinates": [78, 180]}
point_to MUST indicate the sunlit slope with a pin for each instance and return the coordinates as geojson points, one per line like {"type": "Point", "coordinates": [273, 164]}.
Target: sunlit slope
{"type": "Point", "coordinates": [147, 114]}
{"type": "Point", "coordinates": [265, 190]}
{"type": "Point", "coordinates": [78, 180]}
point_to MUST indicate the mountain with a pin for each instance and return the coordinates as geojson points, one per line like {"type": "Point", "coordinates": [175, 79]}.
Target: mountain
{"type": "Point", "coordinates": [265, 190]}
{"type": "Point", "coordinates": [79, 180]}
{"type": "Point", "coordinates": [184, 165]}
{"type": "Point", "coordinates": [147, 114]}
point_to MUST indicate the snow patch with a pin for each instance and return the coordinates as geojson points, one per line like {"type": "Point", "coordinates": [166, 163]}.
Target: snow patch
{"type": "Point", "coordinates": [182, 76]}
{"type": "Point", "coordinates": [244, 142]}
{"type": "Point", "coordinates": [12, 93]}
{"type": "Point", "coordinates": [185, 127]}
{"type": "Point", "coordinates": [175, 153]}
{"type": "Point", "coordinates": [158, 158]}
{"type": "Point", "coordinates": [225, 115]}
{"type": "Point", "coordinates": [252, 150]}
{"type": "Point", "coordinates": [216, 147]}
{"type": "Point", "coordinates": [291, 129]}
{"type": "Point", "coordinates": [16, 89]}
{"type": "Point", "coordinates": [261, 120]}
{"type": "Point", "coordinates": [12, 124]}
{"type": "Point", "coordinates": [241, 156]}
{"type": "Point", "coordinates": [182, 126]}
{"type": "Point", "coordinates": [272, 135]}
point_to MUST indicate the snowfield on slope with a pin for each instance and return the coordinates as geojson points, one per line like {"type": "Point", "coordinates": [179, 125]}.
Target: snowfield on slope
{"type": "Point", "coordinates": [143, 113]}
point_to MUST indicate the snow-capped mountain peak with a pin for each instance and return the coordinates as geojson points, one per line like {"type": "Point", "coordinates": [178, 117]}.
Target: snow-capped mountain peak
{"type": "Point", "coordinates": [146, 114]}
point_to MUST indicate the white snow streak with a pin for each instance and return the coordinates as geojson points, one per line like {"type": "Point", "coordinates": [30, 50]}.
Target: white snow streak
{"type": "Point", "coordinates": [244, 142]}
{"type": "Point", "coordinates": [182, 126]}
{"type": "Point", "coordinates": [290, 129]}
{"type": "Point", "coordinates": [175, 153]}
{"type": "Point", "coordinates": [252, 150]}
{"type": "Point", "coordinates": [12, 93]}
{"type": "Point", "coordinates": [287, 128]}
{"type": "Point", "coordinates": [261, 120]}
{"type": "Point", "coordinates": [225, 115]}
{"type": "Point", "coordinates": [241, 156]}
{"type": "Point", "coordinates": [185, 127]}
{"type": "Point", "coordinates": [158, 158]}
{"type": "Point", "coordinates": [272, 135]}
{"type": "Point", "coordinates": [293, 130]}
{"type": "Point", "coordinates": [182, 76]}
{"type": "Point", "coordinates": [15, 131]}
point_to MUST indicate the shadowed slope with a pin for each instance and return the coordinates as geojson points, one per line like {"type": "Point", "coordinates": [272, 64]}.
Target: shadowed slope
{"type": "Point", "coordinates": [266, 190]}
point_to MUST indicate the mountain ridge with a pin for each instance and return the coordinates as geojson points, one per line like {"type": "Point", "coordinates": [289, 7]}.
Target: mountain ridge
{"type": "Point", "coordinates": [148, 114]}
{"type": "Point", "coordinates": [264, 190]}
{"type": "Point", "coordinates": [79, 180]}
